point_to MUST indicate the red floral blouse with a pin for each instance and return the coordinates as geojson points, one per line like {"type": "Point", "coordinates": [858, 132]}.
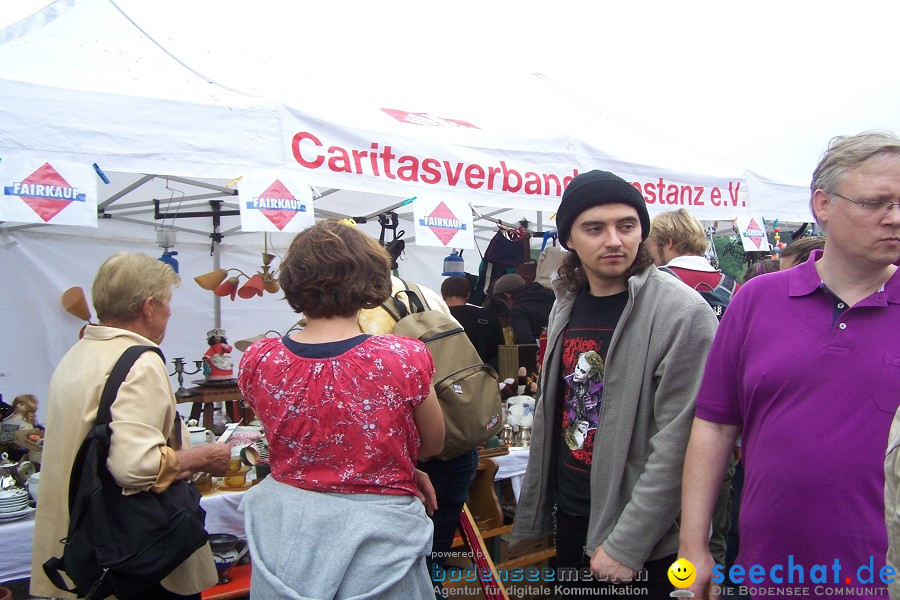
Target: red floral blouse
{"type": "Point", "coordinates": [338, 417]}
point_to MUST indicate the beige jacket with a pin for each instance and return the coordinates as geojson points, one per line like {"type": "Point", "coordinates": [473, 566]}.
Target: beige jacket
{"type": "Point", "coordinates": [892, 503]}
{"type": "Point", "coordinates": [139, 460]}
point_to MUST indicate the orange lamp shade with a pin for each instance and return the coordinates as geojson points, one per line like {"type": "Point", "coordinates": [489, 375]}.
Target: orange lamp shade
{"type": "Point", "coordinates": [75, 303]}
{"type": "Point", "coordinates": [211, 280]}
{"type": "Point", "coordinates": [253, 287]}
{"type": "Point", "coordinates": [229, 287]}
{"type": "Point", "coordinates": [272, 286]}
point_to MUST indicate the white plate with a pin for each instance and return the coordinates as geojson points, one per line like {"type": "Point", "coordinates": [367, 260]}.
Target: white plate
{"type": "Point", "coordinates": [13, 501]}
{"type": "Point", "coordinates": [13, 507]}
{"type": "Point", "coordinates": [15, 515]}
{"type": "Point", "coordinates": [18, 498]}
{"type": "Point", "coordinates": [12, 494]}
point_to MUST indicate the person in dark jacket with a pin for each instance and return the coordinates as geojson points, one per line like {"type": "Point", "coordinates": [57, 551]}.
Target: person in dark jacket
{"type": "Point", "coordinates": [529, 306]}
{"type": "Point", "coordinates": [481, 324]}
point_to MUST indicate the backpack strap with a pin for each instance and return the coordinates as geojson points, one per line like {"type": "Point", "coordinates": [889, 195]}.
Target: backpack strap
{"type": "Point", "coordinates": [417, 302]}
{"type": "Point", "coordinates": [727, 285]}
{"type": "Point", "coordinates": [669, 271]}
{"type": "Point", "coordinates": [117, 376]}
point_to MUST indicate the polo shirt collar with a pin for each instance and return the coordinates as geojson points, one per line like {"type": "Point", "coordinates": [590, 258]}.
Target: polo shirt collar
{"type": "Point", "coordinates": [804, 280]}
{"type": "Point", "coordinates": [692, 263]}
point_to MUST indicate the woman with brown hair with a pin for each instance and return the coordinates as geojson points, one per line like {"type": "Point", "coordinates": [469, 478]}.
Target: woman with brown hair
{"type": "Point", "coordinates": [347, 415]}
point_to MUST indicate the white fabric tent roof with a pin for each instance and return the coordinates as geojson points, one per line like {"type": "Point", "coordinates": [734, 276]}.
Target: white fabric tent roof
{"type": "Point", "coordinates": [81, 81]}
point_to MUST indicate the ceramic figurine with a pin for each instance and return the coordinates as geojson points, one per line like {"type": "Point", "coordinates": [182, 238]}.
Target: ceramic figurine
{"type": "Point", "coordinates": [217, 365]}
{"type": "Point", "coordinates": [24, 408]}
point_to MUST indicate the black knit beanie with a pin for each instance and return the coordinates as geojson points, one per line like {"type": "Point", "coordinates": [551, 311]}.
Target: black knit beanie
{"type": "Point", "coordinates": [598, 187]}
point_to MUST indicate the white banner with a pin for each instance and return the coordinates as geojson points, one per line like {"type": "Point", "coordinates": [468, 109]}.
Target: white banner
{"type": "Point", "coordinates": [753, 233]}
{"type": "Point", "coordinates": [491, 170]}
{"type": "Point", "coordinates": [40, 191]}
{"type": "Point", "coordinates": [444, 221]}
{"type": "Point", "coordinates": [275, 201]}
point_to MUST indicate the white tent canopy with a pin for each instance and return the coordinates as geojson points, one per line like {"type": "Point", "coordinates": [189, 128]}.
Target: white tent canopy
{"type": "Point", "coordinates": [81, 81]}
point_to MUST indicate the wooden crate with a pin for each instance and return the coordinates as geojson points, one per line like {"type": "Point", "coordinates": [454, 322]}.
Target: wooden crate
{"type": "Point", "coordinates": [512, 356]}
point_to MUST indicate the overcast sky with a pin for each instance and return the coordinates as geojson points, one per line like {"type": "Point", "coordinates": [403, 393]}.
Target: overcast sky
{"type": "Point", "coordinates": [762, 84]}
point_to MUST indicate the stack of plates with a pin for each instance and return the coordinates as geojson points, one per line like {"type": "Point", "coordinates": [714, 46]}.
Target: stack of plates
{"type": "Point", "coordinates": [14, 504]}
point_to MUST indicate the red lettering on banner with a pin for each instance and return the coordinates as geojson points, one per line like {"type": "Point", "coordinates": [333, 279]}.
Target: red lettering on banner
{"type": "Point", "coordinates": [715, 195]}
{"type": "Point", "coordinates": [452, 177]}
{"type": "Point", "coordinates": [649, 192]}
{"type": "Point", "coordinates": [430, 166]}
{"type": "Point", "coordinates": [698, 201]}
{"type": "Point", "coordinates": [358, 155]}
{"type": "Point", "coordinates": [532, 183]}
{"type": "Point", "coordinates": [387, 156]}
{"type": "Point", "coordinates": [339, 161]}
{"type": "Point", "coordinates": [379, 161]}
{"type": "Point", "coordinates": [672, 194]}
{"type": "Point", "coordinates": [295, 148]}
{"type": "Point", "coordinates": [662, 193]}
{"type": "Point", "coordinates": [733, 191]}
{"type": "Point", "coordinates": [506, 173]}
{"type": "Point", "coordinates": [408, 172]}
{"type": "Point", "coordinates": [474, 176]}
{"type": "Point", "coordinates": [492, 171]}
{"type": "Point", "coordinates": [373, 158]}
{"type": "Point", "coordinates": [554, 179]}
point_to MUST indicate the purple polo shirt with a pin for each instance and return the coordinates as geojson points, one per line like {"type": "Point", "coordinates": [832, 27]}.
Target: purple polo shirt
{"type": "Point", "coordinates": [815, 386]}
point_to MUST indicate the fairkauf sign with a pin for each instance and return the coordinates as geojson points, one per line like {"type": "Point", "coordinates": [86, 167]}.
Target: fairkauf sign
{"type": "Point", "coordinates": [275, 201]}
{"type": "Point", "coordinates": [752, 230]}
{"type": "Point", "coordinates": [443, 221]}
{"type": "Point", "coordinates": [47, 191]}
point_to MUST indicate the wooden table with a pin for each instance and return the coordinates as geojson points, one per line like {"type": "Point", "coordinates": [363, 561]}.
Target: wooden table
{"type": "Point", "coordinates": [238, 587]}
{"type": "Point", "coordinates": [204, 398]}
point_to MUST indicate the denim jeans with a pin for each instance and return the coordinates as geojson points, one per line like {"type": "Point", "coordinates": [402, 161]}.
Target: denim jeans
{"type": "Point", "coordinates": [451, 480]}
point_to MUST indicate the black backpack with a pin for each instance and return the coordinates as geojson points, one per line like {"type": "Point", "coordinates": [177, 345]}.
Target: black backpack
{"type": "Point", "coordinates": [717, 297]}
{"type": "Point", "coordinates": [118, 544]}
{"type": "Point", "coordinates": [466, 388]}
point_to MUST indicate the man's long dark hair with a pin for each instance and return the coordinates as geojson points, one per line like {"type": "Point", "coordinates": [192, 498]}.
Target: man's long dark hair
{"type": "Point", "coordinates": [573, 275]}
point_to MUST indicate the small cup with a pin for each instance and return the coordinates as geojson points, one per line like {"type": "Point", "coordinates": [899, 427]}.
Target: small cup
{"type": "Point", "coordinates": [204, 482]}
{"type": "Point", "coordinates": [250, 455]}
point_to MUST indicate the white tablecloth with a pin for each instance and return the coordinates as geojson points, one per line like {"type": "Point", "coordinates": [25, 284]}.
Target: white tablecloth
{"type": "Point", "coordinates": [16, 537]}
{"type": "Point", "coordinates": [512, 466]}
{"type": "Point", "coordinates": [15, 541]}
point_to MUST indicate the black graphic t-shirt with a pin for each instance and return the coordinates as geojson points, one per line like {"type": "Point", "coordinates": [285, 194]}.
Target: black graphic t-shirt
{"type": "Point", "coordinates": [585, 344]}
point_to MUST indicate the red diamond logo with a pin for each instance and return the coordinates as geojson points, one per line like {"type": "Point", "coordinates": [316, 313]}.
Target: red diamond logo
{"type": "Point", "coordinates": [278, 205]}
{"type": "Point", "coordinates": [443, 223]}
{"type": "Point", "coordinates": [45, 206]}
{"type": "Point", "coordinates": [756, 233]}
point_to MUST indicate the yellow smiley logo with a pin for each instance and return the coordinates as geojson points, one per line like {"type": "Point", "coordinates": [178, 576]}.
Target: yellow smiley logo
{"type": "Point", "coordinates": [682, 573]}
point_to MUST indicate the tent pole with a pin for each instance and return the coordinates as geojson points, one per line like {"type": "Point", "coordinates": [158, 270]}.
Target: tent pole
{"type": "Point", "coordinates": [217, 301]}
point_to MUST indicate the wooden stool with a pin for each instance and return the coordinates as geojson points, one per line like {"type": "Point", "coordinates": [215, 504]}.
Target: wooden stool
{"type": "Point", "coordinates": [205, 397]}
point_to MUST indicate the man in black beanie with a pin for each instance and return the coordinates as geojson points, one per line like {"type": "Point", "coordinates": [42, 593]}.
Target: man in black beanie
{"type": "Point", "coordinates": [626, 346]}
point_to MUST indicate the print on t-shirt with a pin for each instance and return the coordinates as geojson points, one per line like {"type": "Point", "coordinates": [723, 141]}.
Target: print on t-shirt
{"type": "Point", "coordinates": [583, 404]}
{"type": "Point", "coordinates": [583, 396]}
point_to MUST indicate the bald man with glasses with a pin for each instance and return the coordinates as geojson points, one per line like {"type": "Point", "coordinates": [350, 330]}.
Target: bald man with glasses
{"type": "Point", "coordinates": [805, 366]}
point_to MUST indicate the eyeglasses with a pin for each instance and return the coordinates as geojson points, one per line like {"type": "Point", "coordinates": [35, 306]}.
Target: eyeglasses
{"type": "Point", "coordinates": [871, 205]}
